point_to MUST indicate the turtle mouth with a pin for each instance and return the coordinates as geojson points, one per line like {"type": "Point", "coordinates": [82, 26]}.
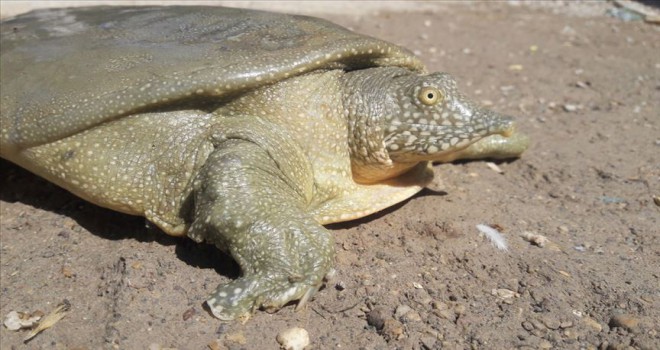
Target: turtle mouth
{"type": "Point", "coordinates": [424, 141]}
{"type": "Point", "coordinates": [498, 125]}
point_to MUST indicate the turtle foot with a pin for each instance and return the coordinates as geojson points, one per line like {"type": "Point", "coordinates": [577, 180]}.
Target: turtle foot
{"type": "Point", "coordinates": [240, 298]}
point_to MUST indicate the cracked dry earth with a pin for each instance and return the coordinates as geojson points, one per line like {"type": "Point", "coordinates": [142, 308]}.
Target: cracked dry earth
{"type": "Point", "coordinates": [584, 86]}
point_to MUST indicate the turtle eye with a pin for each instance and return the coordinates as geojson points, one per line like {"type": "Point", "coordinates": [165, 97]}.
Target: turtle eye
{"type": "Point", "coordinates": [429, 96]}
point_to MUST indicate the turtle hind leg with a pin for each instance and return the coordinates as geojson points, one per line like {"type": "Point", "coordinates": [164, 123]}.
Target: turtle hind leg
{"type": "Point", "coordinates": [245, 203]}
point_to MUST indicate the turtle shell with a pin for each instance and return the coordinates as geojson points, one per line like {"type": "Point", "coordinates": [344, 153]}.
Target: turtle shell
{"type": "Point", "coordinates": [67, 70]}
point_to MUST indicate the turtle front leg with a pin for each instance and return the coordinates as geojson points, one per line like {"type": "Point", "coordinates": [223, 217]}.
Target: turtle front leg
{"type": "Point", "coordinates": [251, 202]}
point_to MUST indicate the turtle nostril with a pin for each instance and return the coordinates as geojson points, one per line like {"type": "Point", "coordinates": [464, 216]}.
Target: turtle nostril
{"type": "Point", "coordinates": [505, 127]}
{"type": "Point", "coordinates": [509, 131]}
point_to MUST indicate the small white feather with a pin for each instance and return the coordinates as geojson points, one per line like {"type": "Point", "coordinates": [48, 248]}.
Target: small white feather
{"type": "Point", "coordinates": [494, 236]}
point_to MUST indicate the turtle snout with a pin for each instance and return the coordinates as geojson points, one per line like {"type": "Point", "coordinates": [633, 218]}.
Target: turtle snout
{"type": "Point", "coordinates": [487, 122]}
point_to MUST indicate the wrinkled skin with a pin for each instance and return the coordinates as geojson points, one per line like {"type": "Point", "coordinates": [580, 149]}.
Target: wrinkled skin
{"type": "Point", "coordinates": [253, 157]}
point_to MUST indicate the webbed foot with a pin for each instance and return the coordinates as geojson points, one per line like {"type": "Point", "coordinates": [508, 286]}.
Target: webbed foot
{"type": "Point", "coordinates": [281, 262]}
{"type": "Point", "coordinates": [238, 299]}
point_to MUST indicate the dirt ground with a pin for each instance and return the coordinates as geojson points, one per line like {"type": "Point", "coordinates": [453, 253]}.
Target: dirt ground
{"type": "Point", "coordinates": [583, 85]}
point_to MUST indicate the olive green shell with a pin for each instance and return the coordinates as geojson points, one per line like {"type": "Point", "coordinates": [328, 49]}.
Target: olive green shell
{"type": "Point", "coordinates": [68, 70]}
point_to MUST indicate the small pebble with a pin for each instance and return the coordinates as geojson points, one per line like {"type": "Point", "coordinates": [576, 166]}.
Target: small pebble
{"type": "Point", "coordinates": [494, 167]}
{"type": "Point", "coordinates": [570, 334]}
{"type": "Point", "coordinates": [68, 272]}
{"type": "Point", "coordinates": [593, 324]}
{"type": "Point", "coordinates": [570, 107]}
{"type": "Point", "coordinates": [188, 314]}
{"type": "Point", "coordinates": [626, 321]}
{"type": "Point", "coordinates": [412, 316]}
{"type": "Point", "coordinates": [439, 305]}
{"type": "Point", "coordinates": [528, 326]}
{"type": "Point", "coordinates": [16, 320]}
{"type": "Point", "coordinates": [401, 310]}
{"type": "Point", "coordinates": [551, 322]}
{"type": "Point", "coordinates": [295, 338]}
{"type": "Point", "coordinates": [534, 238]}
{"type": "Point", "coordinates": [428, 342]}
{"type": "Point", "coordinates": [647, 298]}
{"type": "Point", "coordinates": [215, 345]}
{"type": "Point", "coordinates": [537, 324]}
{"type": "Point", "coordinates": [222, 329]}
{"type": "Point", "coordinates": [504, 293]}
{"type": "Point", "coordinates": [577, 313]}
{"type": "Point", "coordinates": [544, 344]}
{"type": "Point", "coordinates": [446, 314]}
{"type": "Point", "coordinates": [506, 88]}
{"type": "Point", "coordinates": [376, 317]}
{"type": "Point", "coordinates": [566, 324]}
{"type": "Point", "coordinates": [392, 330]}
{"type": "Point", "coordinates": [459, 309]}
{"type": "Point", "coordinates": [582, 84]}
{"type": "Point", "coordinates": [539, 332]}
{"type": "Point", "coordinates": [340, 286]}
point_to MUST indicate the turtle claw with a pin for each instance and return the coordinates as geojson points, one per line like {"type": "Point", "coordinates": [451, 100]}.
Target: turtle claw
{"type": "Point", "coordinates": [305, 298]}
{"type": "Point", "coordinates": [240, 298]}
{"type": "Point", "coordinates": [312, 290]}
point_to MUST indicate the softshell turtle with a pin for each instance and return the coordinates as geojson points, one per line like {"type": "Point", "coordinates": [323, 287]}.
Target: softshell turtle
{"type": "Point", "coordinates": [245, 129]}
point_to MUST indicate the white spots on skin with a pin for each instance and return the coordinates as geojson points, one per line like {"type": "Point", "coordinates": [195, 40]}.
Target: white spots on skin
{"type": "Point", "coordinates": [441, 127]}
{"type": "Point", "coordinates": [106, 164]}
{"type": "Point", "coordinates": [463, 142]}
{"type": "Point", "coordinates": [136, 182]}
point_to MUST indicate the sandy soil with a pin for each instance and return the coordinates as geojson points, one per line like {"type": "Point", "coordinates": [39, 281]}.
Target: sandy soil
{"type": "Point", "coordinates": [585, 87]}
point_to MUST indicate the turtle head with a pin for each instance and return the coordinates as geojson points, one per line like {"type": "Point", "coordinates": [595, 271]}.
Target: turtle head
{"type": "Point", "coordinates": [417, 118]}
{"type": "Point", "coordinates": [430, 119]}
